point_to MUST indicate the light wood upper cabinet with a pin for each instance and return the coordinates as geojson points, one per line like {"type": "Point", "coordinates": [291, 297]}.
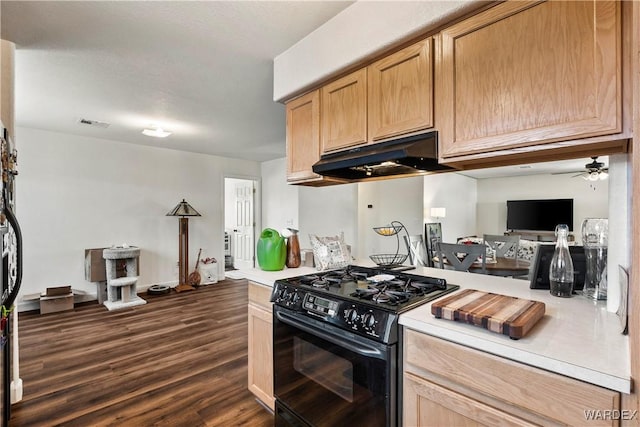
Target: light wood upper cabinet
{"type": "Point", "coordinates": [344, 112]}
{"type": "Point", "coordinates": [524, 73]}
{"type": "Point", "coordinates": [303, 140]}
{"type": "Point", "coordinates": [303, 136]}
{"type": "Point", "coordinates": [7, 85]}
{"type": "Point", "coordinates": [401, 92]}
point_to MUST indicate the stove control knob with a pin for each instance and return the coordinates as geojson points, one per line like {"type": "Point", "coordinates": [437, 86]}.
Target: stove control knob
{"type": "Point", "coordinates": [351, 315]}
{"type": "Point", "coordinates": [295, 297]}
{"type": "Point", "coordinates": [368, 321]}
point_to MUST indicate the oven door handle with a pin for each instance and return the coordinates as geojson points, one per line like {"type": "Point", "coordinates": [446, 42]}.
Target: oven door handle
{"type": "Point", "coordinates": [358, 347]}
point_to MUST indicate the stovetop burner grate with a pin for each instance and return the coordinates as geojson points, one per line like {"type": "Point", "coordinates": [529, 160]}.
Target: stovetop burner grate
{"type": "Point", "coordinates": [361, 300]}
{"type": "Point", "coordinates": [396, 291]}
{"type": "Point", "coordinates": [371, 286]}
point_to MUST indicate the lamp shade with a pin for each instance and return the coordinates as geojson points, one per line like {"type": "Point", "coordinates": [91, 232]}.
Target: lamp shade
{"type": "Point", "coordinates": [438, 212]}
{"type": "Point", "coordinates": [183, 209]}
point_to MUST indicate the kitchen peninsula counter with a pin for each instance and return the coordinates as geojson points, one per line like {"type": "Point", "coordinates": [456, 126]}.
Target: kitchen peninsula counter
{"type": "Point", "coordinates": [268, 278]}
{"type": "Point", "coordinates": [576, 337]}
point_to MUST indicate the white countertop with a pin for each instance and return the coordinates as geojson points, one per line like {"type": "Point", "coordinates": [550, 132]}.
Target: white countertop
{"type": "Point", "coordinates": [576, 337]}
{"type": "Point", "coordinates": [268, 278]}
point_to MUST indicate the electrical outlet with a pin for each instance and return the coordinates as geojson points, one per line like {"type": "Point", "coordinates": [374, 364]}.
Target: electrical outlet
{"type": "Point", "coordinates": [290, 222]}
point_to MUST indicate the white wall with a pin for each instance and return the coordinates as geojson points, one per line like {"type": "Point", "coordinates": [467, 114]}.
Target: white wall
{"type": "Point", "coordinates": [76, 192]}
{"type": "Point", "coordinates": [458, 195]}
{"type": "Point", "coordinates": [359, 31]}
{"type": "Point", "coordinates": [279, 199]}
{"type": "Point", "coordinates": [327, 211]}
{"type": "Point", "coordinates": [391, 200]}
{"type": "Point", "coordinates": [619, 214]}
{"type": "Point", "coordinates": [590, 200]}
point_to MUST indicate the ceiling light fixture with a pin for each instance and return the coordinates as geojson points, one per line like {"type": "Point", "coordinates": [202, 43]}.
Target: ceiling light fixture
{"type": "Point", "coordinates": [595, 176]}
{"type": "Point", "coordinates": [156, 132]}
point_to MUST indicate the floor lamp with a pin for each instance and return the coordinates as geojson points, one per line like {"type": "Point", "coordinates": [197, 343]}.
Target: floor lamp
{"type": "Point", "coordinates": [183, 210]}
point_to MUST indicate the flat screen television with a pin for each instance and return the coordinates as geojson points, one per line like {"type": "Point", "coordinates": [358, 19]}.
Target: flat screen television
{"type": "Point", "coordinates": [539, 215]}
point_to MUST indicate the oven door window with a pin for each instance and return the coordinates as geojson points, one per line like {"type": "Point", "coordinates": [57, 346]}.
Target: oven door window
{"type": "Point", "coordinates": [328, 380]}
{"type": "Point", "coordinates": [324, 367]}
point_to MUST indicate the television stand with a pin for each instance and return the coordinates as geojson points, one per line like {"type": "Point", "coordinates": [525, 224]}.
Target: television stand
{"type": "Point", "coordinates": [539, 236]}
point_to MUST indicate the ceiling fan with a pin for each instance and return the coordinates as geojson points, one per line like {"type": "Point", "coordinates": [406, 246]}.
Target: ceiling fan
{"type": "Point", "coordinates": [594, 171]}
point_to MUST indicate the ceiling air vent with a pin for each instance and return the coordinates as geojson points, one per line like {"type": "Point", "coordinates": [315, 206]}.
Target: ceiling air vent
{"type": "Point", "coordinates": [94, 123]}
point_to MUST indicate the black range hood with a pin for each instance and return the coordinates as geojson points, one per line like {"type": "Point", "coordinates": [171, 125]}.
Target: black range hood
{"type": "Point", "coordinates": [404, 156]}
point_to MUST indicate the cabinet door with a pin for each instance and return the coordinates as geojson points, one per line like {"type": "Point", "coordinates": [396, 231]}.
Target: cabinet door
{"type": "Point", "coordinates": [303, 136]}
{"type": "Point", "coordinates": [7, 85]}
{"type": "Point", "coordinates": [427, 404]}
{"type": "Point", "coordinates": [344, 112]}
{"type": "Point", "coordinates": [509, 384]}
{"type": "Point", "coordinates": [401, 92]}
{"type": "Point", "coordinates": [260, 354]}
{"type": "Point", "coordinates": [523, 73]}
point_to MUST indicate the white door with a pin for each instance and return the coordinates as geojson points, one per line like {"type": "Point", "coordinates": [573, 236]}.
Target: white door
{"type": "Point", "coordinates": [243, 231]}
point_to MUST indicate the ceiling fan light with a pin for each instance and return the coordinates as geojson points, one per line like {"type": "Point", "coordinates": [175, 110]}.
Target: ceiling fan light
{"type": "Point", "coordinates": [603, 175]}
{"type": "Point", "coordinates": [593, 176]}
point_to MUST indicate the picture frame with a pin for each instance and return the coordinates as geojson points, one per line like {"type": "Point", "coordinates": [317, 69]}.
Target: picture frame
{"type": "Point", "coordinates": [432, 235]}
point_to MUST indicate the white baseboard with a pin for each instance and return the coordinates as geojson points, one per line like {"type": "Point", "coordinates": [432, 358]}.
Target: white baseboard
{"type": "Point", "coordinates": [16, 390]}
{"type": "Point", "coordinates": [144, 288]}
{"type": "Point", "coordinates": [81, 296]}
{"type": "Point", "coordinates": [234, 274]}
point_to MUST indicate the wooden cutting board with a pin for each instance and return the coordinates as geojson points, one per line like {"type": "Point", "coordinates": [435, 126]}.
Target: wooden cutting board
{"type": "Point", "coordinates": [498, 313]}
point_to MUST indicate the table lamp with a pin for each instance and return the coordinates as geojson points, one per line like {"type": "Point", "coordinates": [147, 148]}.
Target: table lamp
{"type": "Point", "coordinates": [438, 213]}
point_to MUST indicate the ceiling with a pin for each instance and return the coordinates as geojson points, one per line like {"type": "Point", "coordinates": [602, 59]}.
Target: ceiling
{"type": "Point", "coordinates": [202, 70]}
{"type": "Point", "coordinates": [568, 168]}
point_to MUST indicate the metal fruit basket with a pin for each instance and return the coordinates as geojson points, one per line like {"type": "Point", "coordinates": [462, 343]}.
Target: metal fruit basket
{"type": "Point", "coordinates": [391, 260]}
{"type": "Point", "coordinates": [388, 230]}
{"type": "Point", "coordinates": [388, 260]}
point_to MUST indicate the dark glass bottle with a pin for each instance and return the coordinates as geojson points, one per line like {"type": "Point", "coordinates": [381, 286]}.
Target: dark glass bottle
{"type": "Point", "coordinates": [293, 250]}
{"type": "Point", "coordinates": [561, 269]}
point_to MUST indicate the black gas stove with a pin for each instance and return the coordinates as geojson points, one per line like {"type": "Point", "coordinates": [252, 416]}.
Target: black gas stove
{"type": "Point", "coordinates": [361, 300]}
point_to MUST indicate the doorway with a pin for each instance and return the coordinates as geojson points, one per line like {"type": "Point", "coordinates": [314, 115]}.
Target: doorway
{"type": "Point", "coordinates": [239, 223]}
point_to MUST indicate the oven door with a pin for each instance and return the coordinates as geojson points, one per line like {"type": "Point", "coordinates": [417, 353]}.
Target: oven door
{"type": "Point", "coordinates": [328, 377]}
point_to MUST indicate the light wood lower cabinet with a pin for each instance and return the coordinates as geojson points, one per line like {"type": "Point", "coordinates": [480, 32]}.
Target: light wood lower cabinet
{"type": "Point", "coordinates": [450, 384]}
{"type": "Point", "coordinates": [260, 352]}
{"type": "Point", "coordinates": [428, 404]}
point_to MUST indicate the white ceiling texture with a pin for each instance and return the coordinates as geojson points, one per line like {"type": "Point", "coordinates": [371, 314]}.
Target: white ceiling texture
{"type": "Point", "coordinates": [202, 70]}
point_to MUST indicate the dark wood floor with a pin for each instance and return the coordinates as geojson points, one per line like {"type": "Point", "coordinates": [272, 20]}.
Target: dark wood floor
{"type": "Point", "coordinates": [179, 360]}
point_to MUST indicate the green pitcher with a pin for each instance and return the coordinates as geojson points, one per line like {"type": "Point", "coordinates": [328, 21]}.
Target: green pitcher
{"type": "Point", "coordinates": [272, 250]}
